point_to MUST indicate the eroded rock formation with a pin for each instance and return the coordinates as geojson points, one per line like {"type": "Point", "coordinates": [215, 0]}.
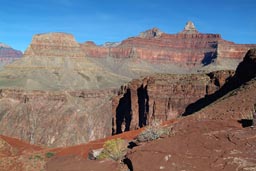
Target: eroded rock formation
{"type": "Point", "coordinates": [54, 45]}
{"type": "Point", "coordinates": [162, 97]}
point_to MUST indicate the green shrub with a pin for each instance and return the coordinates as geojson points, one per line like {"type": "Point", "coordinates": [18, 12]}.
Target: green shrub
{"type": "Point", "coordinates": [152, 132]}
{"type": "Point", "coordinates": [49, 154]}
{"type": "Point", "coordinates": [114, 149]}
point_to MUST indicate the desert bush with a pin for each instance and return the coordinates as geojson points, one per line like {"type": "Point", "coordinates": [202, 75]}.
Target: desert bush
{"type": "Point", "coordinates": [114, 149]}
{"type": "Point", "coordinates": [153, 132]}
{"type": "Point", "coordinates": [49, 154]}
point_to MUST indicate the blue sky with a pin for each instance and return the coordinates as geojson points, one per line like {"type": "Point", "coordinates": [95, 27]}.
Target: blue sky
{"type": "Point", "coordinates": [115, 20]}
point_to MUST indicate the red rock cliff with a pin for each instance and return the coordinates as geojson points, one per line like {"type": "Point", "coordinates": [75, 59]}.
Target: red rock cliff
{"type": "Point", "coordinates": [188, 47]}
{"type": "Point", "coordinates": [162, 97]}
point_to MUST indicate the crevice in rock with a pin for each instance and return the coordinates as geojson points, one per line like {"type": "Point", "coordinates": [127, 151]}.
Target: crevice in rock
{"type": "Point", "coordinates": [143, 104]}
{"type": "Point", "coordinates": [124, 113]}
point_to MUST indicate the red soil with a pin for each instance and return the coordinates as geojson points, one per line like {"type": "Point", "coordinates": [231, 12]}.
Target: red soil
{"type": "Point", "coordinates": [19, 145]}
{"type": "Point", "coordinates": [83, 149]}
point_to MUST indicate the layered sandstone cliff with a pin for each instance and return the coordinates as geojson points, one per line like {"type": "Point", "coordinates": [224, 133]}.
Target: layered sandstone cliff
{"type": "Point", "coordinates": [189, 48]}
{"type": "Point", "coordinates": [54, 45]}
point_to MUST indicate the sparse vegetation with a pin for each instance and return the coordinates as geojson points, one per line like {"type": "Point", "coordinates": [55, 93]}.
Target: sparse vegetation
{"type": "Point", "coordinates": [153, 132]}
{"type": "Point", "coordinates": [49, 154]}
{"type": "Point", "coordinates": [114, 149]}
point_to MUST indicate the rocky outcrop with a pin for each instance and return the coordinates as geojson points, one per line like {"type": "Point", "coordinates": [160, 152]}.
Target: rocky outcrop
{"type": "Point", "coordinates": [54, 45]}
{"type": "Point", "coordinates": [162, 97]}
{"type": "Point", "coordinates": [152, 33]}
{"type": "Point", "coordinates": [8, 54]}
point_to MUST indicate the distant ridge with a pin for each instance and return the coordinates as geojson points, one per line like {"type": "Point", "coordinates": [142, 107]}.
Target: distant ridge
{"type": "Point", "coordinates": [8, 54]}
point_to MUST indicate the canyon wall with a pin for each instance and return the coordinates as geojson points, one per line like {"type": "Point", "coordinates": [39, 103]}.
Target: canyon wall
{"type": "Point", "coordinates": [59, 118]}
{"type": "Point", "coordinates": [187, 48]}
{"type": "Point", "coordinates": [162, 97]}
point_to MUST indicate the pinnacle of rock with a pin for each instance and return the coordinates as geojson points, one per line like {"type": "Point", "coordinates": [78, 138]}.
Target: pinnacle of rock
{"type": "Point", "coordinates": [189, 28]}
